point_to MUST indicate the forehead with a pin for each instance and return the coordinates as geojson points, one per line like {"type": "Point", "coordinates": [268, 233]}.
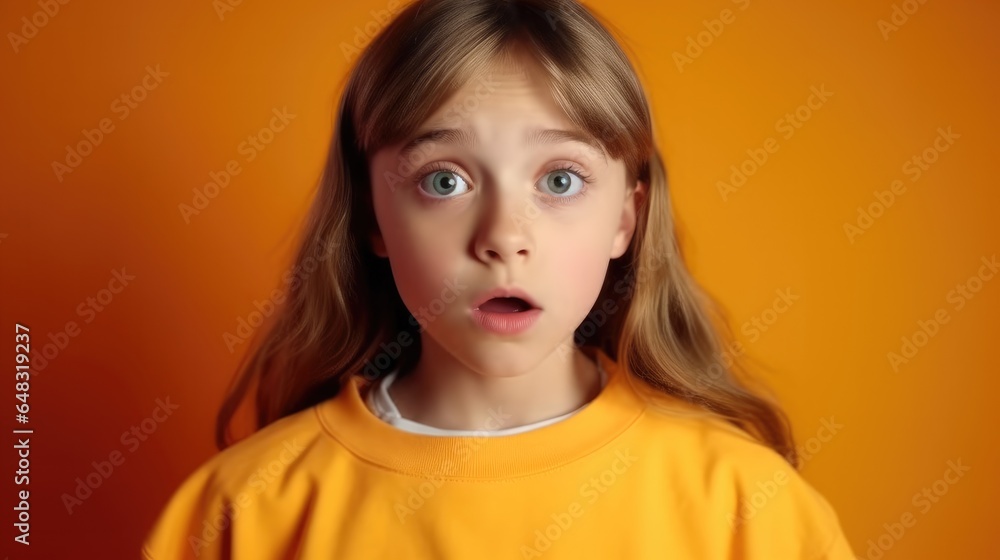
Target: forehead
{"type": "Point", "coordinates": [515, 90]}
{"type": "Point", "coordinates": [509, 101]}
{"type": "Point", "coordinates": [516, 87]}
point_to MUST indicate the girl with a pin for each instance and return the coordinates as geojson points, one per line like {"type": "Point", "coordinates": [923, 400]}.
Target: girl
{"type": "Point", "coordinates": [499, 352]}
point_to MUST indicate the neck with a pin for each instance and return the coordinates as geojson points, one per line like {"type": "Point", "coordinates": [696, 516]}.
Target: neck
{"type": "Point", "coordinates": [445, 393]}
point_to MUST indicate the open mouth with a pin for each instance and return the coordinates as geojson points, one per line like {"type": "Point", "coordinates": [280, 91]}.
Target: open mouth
{"type": "Point", "coordinates": [505, 305]}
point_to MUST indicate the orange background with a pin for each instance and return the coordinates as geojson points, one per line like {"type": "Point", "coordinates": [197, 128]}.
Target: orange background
{"type": "Point", "coordinates": [161, 336]}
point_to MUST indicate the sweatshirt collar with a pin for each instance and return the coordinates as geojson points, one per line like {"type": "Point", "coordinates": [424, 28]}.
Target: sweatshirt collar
{"type": "Point", "coordinates": [347, 419]}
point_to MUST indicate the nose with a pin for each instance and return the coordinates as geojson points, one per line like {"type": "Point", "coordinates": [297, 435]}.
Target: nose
{"type": "Point", "coordinates": [504, 232]}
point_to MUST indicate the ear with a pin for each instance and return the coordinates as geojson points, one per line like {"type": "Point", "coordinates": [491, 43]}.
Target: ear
{"type": "Point", "coordinates": [378, 244]}
{"type": "Point", "coordinates": [635, 196]}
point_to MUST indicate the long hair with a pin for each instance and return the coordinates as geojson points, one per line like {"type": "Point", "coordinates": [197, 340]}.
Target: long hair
{"type": "Point", "coordinates": [343, 316]}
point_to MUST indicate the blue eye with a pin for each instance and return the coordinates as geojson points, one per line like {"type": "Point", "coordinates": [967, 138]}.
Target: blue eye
{"type": "Point", "coordinates": [563, 183]}
{"type": "Point", "coordinates": [443, 184]}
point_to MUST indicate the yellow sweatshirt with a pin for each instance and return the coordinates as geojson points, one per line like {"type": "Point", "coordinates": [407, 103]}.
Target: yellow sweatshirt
{"type": "Point", "coordinates": [622, 478]}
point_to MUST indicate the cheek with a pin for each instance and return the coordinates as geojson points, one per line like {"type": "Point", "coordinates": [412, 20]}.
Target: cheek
{"type": "Point", "coordinates": [425, 258]}
{"type": "Point", "coordinates": [578, 272]}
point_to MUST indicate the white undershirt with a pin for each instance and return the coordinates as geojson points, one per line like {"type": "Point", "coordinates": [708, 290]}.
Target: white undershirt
{"type": "Point", "coordinates": [380, 403]}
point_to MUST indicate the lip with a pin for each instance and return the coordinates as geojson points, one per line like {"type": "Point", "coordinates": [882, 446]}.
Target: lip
{"type": "Point", "coordinates": [506, 323]}
{"type": "Point", "coordinates": [509, 292]}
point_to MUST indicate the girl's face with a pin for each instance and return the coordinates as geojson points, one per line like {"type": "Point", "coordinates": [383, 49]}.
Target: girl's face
{"type": "Point", "coordinates": [509, 194]}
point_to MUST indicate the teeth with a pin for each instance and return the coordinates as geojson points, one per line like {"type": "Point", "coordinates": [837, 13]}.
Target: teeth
{"type": "Point", "coordinates": [520, 303]}
{"type": "Point", "coordinates": [505, 305]}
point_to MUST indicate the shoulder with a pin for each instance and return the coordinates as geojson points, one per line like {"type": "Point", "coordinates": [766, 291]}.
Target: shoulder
{"type": "Point", "coordinates": [268, 454]}
{"type": "Point", "coordinates": [757, 499]}
{"type": "Point", "coordinates": [278, 459]}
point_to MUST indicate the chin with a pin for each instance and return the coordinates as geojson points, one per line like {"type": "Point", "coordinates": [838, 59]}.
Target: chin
{"type": "Point", "coordinates": [499, 359]}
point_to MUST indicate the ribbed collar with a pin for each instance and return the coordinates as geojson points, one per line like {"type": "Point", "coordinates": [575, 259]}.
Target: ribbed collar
{"type": "Point", "coordinates": [379, 401]}
{"type": "Point", "coordinates": [347, 419]}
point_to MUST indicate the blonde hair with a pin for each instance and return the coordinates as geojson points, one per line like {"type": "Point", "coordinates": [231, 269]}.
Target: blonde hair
{"type": "Point", "coordinates": [337, 318]}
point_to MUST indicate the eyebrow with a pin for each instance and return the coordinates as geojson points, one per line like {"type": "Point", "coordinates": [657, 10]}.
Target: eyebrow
{"type": "Point", "coordinates": [464, 136]}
